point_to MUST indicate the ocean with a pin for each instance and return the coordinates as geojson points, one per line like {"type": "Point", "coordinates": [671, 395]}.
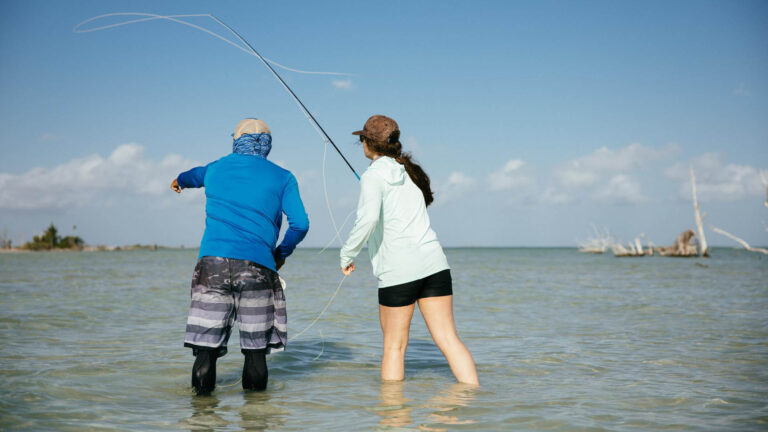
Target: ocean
{"type": "Point", "coordinates": [563, 341]}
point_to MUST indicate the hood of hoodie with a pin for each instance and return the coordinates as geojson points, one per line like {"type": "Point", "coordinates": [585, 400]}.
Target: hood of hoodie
{"type": "Point", "coordinates": [389, 169]}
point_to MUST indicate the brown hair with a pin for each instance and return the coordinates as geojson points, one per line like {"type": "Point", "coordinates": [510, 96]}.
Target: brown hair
{"type": "Point", "coordinates": [393, 149]}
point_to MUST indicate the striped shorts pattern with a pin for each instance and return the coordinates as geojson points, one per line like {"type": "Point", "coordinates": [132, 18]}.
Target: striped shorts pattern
{"type": "Point", "coordinates": [225, 290]}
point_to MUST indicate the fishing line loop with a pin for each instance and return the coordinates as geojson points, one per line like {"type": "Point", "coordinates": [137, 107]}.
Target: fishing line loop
{"type": "Point", "coordinates": [143, 17]}
{"type": "Point", "coordinates": [176, 18]}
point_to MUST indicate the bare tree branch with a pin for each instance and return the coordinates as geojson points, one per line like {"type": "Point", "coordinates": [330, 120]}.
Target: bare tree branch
{"type": "Point", "coordinates": [738, 240]}
{"type": "Point", "coordinates": [697, 214]}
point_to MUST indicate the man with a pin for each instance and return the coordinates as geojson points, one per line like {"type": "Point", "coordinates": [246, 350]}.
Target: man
{"type": "Point", "coordinates": [236, 273]}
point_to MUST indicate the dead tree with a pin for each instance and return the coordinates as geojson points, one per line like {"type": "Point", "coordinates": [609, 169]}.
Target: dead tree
{"type": "Point", "coordinates": [703, 250]}
{"type": "Point", "coordinates": [738, 240]}
{"type": "Point", "coordinates": [682, 247]}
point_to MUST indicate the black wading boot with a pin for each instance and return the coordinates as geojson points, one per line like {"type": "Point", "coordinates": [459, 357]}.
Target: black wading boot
{"type": "Point", "coordinates": [204, 371]}
{"type": "Point", "coordinates": [255, 370]}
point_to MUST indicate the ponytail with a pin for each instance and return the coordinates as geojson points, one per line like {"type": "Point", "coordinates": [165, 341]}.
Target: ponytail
{"type": "Point", "coordinates": [417, 174]}
{"type": "Point", "coordinates": [393, 148]}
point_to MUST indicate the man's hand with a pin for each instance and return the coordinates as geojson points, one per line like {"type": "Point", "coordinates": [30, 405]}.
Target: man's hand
{"type": "Point", "coordinates": [279, 263]}
{"type": "Point", "coordinates": [175, 186]}
{"type": "Point", "coordinates": [348, 269]}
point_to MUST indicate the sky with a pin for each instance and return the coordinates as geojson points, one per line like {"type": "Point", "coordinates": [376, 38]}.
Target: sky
{"type": "Point", "coordinates": [535, 120]}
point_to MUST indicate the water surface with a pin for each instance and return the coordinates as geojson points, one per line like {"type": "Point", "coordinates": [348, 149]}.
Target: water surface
{"type": "Point", "coordinates": [563, 341]}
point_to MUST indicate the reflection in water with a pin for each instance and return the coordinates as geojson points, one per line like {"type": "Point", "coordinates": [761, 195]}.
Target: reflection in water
{"type": "Point", "coordinates": [396, 412]}
{"type": "Point", "coordinates": [448, 402]}
{"type": "Point", "coordinates": [529, 334]}
{"type": "Point", "coordinates": [393, 409]}
{"type": "Point", "coordinates": [204, 416]}
{"type": "Point", "coordinates": [257, 414]}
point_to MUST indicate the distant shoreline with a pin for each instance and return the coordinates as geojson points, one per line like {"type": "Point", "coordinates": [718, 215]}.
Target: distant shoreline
{"type": "Point", "coordinates": [168, 248]}
{"type": "Point", "coordinates": [97, 249]}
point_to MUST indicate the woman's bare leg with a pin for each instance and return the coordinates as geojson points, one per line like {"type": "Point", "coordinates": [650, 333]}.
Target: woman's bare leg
{"type": "Point", "coordinates": [438, 314]}
{"type": "Point", "coordinates": [395, 325]}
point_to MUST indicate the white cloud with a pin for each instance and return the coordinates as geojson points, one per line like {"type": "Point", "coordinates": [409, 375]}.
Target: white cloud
{"type": "Point", "coordinates": [81, 181]}
{"type": "Point", "coordinates": [457, 185]}
{"type": "Point", "coordinates": [588, 170]}
{"type": "Point", "coordinates": [460, 179]}
{"type": "Point", "coordinates": [572, 178]}
{"type": "Point", "coordinates": [716, 180]}
{"type": "Point", "coordinates": [620, 188]}
{"type": "Point", "coordinates": [307, 177]}
{"type": "Point", "coordinates": [510, 176]}
{"type": "Point", "coordinates": [604, 175]}
{"type": "Point", "coordinates": [554, 196]}
{"type": "Point", "coordinates": [342, 84]}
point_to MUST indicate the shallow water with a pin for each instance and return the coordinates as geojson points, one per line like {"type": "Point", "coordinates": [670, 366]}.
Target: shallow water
{"type": "Point", "coordinates": [562, 340]}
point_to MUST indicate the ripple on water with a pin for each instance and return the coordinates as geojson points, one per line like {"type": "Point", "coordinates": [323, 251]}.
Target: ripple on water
{"type": "Point", "coordinates": [562, 341]}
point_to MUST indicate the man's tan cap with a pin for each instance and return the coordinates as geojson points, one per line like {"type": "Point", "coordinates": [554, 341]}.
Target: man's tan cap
{"type": "Point", "coordinates": [250, 126]}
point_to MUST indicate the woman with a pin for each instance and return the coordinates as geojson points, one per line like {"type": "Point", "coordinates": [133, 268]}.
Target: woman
{"type": "Point", "coordinates": [406, 256]}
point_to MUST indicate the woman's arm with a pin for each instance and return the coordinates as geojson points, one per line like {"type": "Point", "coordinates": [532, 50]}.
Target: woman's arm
{"type": "Point", "coordinates": [368, 213]}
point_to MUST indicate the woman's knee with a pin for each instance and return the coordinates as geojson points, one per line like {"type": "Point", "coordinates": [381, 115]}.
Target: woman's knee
{"type": "Point", "coordinates": [446, 340]}
{"type": "Point", "coordinates": [394, 345]}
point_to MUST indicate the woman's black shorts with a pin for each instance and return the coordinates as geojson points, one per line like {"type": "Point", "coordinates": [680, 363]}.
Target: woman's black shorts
{"type": "Point", "coordinates": [436, 285]}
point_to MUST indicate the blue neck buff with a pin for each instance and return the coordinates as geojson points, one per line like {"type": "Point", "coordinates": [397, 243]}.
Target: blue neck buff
{"type": "Point", "coordinates": [253, 144]}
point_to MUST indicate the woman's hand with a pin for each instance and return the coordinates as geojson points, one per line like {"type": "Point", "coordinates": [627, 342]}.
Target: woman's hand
{"type": "Point", "coordinates": [348, 269]}
{"type": "Point", "coordinates": [279, 263]}
{"type": "Point", "coordinates": [175, 186]}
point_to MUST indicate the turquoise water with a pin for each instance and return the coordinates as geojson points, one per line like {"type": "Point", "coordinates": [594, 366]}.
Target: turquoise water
{"type": "Point", "coordinates": [563, 341]}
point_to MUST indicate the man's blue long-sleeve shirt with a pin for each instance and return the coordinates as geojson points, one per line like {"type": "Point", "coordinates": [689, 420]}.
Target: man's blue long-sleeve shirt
{"type": "Point", "coordinates": [246, 197]}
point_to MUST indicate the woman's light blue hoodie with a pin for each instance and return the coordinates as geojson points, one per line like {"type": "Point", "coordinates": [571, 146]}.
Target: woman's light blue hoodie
{"type": "Point", "coordinates": [392, 217]}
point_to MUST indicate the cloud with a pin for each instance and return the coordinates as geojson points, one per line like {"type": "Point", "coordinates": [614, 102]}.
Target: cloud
{"type": "Point", "coordinates": [510, 176]}
{"type": "Point", "coordinates": [572, 178]}
{"type": "Point", "coordinates": [605, 175]}
{"type": "Point", "coordinates": [342, 84]}
{"type": "Point", "coordinates": [620, 189]}
{"type": "Point", "coordinates": [456, 186]}
{"type": "Point", "coordinates": [82, 181]}
{"type": "Point", "coordinates": [555, 196]}
{"type": "Point", "coordinates": [716, 180]}
{"type": "Point", "coordinates": [308, 177]}
{"type": "Point", "coordinates": [588, 170]}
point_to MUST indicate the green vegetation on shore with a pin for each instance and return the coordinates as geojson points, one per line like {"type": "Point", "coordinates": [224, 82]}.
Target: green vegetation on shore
{"type": "Point", "coordinates": [50, 240]}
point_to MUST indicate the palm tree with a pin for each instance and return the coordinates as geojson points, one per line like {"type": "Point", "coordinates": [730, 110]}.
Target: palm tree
{"type": "Point", "coordinates": [50, 236]}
